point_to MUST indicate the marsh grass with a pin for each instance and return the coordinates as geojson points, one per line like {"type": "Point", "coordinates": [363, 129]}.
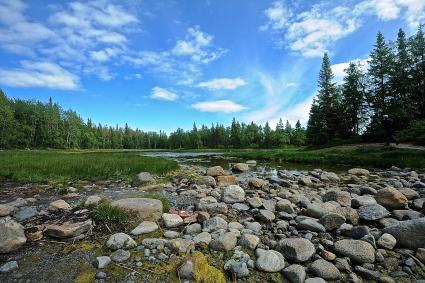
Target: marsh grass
{"type": "Point", "coordinates": [44, 165]}
{"type": "Point", "coordinates": [370, 157]}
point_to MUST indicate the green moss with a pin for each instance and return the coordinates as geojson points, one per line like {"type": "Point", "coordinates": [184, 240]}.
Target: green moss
{"type": "Point", "coordinates": [81, 246]}
{"type": "Point", "coordinates": [85, 277]}
{"type": "Point", "coordinates": [205, 273]}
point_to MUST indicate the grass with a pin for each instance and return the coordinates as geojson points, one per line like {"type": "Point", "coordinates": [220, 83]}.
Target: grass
{"type": "Point", "coordinates": [40, 165]}
{"type": "Point", "coordinates": [166, 204]}
{"type": "Point", "coordinates": [369, 157]}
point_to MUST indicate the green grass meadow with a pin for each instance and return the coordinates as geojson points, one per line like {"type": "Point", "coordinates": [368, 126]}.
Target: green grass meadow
{"type": "Point", "coordinates": [39, 165]}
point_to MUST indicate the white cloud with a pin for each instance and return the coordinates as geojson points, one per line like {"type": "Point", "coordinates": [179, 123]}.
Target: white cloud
{"type": "Point", "coordinates": [222, 83]}
{"type": "Point", "coordinates": [105, 54]}
{"type": "Point", "coordinates": [224, 106]}
{"type": "Point", "coordinates": [299, 111]}
{"type": "Point", "coordinates": [339, 69]}
{"type": "Point", "coordinates": [39, 74]}
{"type": "Point", "coordinates": [291, 84]}
{"type": "Point", "coordinates": [163, 94]}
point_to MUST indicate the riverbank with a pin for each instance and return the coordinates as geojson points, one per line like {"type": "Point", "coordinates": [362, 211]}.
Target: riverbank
{"type": "Point", "coordinates": [45, 165]}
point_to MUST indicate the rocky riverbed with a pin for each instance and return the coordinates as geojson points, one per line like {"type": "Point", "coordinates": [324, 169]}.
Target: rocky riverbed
{"type": "Point", "coordinates": [233, 225]}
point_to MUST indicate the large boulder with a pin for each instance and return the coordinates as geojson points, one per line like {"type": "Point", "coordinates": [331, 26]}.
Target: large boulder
{"type": "Point", "coordinates": [357, 250]}
{"type": "Point", "coordinates": [215, 171]}
{"type": "Point", "coordinates": [409, 234]}
{"type": "Point", "coordinates": [373, 212]}
{"type": "Point", "coordinates": [68, 230]}
{"type": "Point", "coordinates": [391, 199]}
{"type": "Point", "coordinates": [296, 249]}
{"type": "Point", "coordinates": [12, 235]}
{"type": "Point", "coordinates": [143, 178]}
{"type": "Point", "coordinates": [233, 194]}
{"type": "Point", "coordinates": [143, 208]}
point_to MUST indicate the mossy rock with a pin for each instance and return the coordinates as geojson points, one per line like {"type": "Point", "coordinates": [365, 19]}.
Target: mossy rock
{"type": "Point", "coordinates": [205, 273]}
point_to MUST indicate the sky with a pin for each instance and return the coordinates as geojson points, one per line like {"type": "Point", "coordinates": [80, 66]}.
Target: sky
{"type": "Point", "coordinates": [160, 65]}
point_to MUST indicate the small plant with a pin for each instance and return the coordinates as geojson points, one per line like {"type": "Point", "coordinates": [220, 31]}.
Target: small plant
{"type": "Point", "coordinates": [105, 212]}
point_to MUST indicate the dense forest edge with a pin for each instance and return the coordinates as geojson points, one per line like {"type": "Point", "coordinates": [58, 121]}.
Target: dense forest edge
{"type": "Point", "coordinates": [392, 83]}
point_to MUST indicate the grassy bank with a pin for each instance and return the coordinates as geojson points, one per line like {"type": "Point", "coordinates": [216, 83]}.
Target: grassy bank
{"type": "Point", "coordinates": [370, 157]}
{"type": "Point", "coordinates": [72, 165]}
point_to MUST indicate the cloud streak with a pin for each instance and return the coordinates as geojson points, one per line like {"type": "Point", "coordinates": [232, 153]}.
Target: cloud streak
{"type": "Point", "coordinates": [218, 106]}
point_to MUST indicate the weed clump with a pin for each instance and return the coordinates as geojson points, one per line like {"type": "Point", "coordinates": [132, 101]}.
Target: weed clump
{"type": "Point", "coordinates": [205, 273]}
{"type": "Point", "coordinates": [105, 212]}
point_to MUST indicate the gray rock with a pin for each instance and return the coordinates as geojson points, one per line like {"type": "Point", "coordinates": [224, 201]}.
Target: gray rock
{"type": "Point", "coordinates": [249, 241]}
{"type": "Point", "coordinates": [409, 193]}
{"type": "Point", "coordinates": [171, 234]}
{"type": "Point", "coordinates": [240, 167]}
{"type": "Point", "coordinates": [144, 208]}
{"type": "Point", "coordinates": [406, 214]}
{"type": "Point", "coordinates": [182, 246]}
{"type": "Point", "coordinates": [225, 242]}
{"type": "Point", "coordinates": [311, 225]}
{"type": "Point", "coordinates": [280, 182]}
{"type": "Point", "coordinates": [256, 202]}
{"type": "Point", "coordinates": [264, 215]}
{"type": "Point", "coordinates": [356, 250]}
{"type": "Point", "coordinates": [68, 230]}
{"type": "Point", "coordinates": [285, 205]}
{"type": "Point", "coordinates": [102, 261]}
{"type": "Point", "coordinates": [350, 214]}
{"type": "Point", "coordinates": [142, 178]}
{"type": "Point", "coordinates": [373, 212]}
{"type": "Point", "coordinates": [25, 213]}
{"type": "Point", "coordinates": [366, 273]}
{"type": "Point", "coordinates": [120, 241]}
{"type": "Point", "coordinates": [253, 226]}
{"type": "Point", "coordinates": [12, 235]}
{"type": "Point", "coordinates": [256, 182]}
{"type": "Point", "coordinates": [202, 239]}
{"type": "Point", "coordinates": [305, 181]}
{"type": "Point", "coordinates": [207, 181]}
{"type": "Point", "coordinates": [144, 228]}
{"type": "Point", "coordinates": [6, 210]}
{"type": "Point", "coordinates": [9, 266]}
{"type": "Point", "coordinates": [343, 198]}
{"type": "Point", "coordinates": [120, 255]}
{"type": "Point", "coordinates": [364, 200]}
{"type": "Point", "coordinates": [233, 194]}
{"type": "Point", "coordinates": [315, 280]}
{"type": "Point", "coordinates": [101, 275]}
{"type": "Point", "coordinates": [92, 200]}
{"type": "Point", "coordinates": [359, 172]}
{"type": "Point", "coordinates": [240, 207]}
{"type": "Point", "coordinates": [194, 228]}
{"type": "Point", "coordinates": [409, 234]}
{"type": "Point", "coordinates": [332, 221]}
{"type": "Point", "coordinates": [270, 261]}
{"type": "Point", "coordinates": [295, 273]}
{"type": "Point", "coordinates": [296, 249]}
{"type": "Point", "coordinates": [317, 210]}
{"type": "Point", "coordinates": [387, 241]}
{"type": "Point", "coordinates": [172, 220]}
{"type": "Point", "coordinates": [325, 270]}
{"type": "Point", "coordinates": [215, 171]}
{"type": "Point", "coordinates": [215, 223]}
{"type": "Point", "coordinates": [186, 271]}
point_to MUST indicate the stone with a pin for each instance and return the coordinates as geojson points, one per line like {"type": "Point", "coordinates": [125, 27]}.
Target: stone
{"type": "Point", "coordinates": [249, 241]}
{"type": "Point", "coordinates": [233, 194]}
{"type": "Point", "coordinates": [12, 235]}
{"type": "Point", "coordinates": [25, 213]}
{"type": "Point", "coordinates": [59, 204]}
{"type": "Point", "coordinates": [225, 242]}
{"type": "Point", "coordinates": [5, 210]}
{"type": "Point", "coordinates": [359, 172]}
{"type": "Point", "coordinates": [215, 171]}
{"type": "Point", "coordinates": [92, 200]}
{"type": "Point", "coordinates": [366, 273]}
{"type": "Point", "coordinates": [359, 201]}
{"type": "Point", "coordinates": [120, 241]}
{"type": "Point", "coordinates": [296, 249]}
{"type": "Point", "coordinates": [102, 261]}
{"type": "Point", "coordinates": [226, 180]}
{"type": "Point", "coordinates": [409, 234]}
{"type": "Point", "coordinates": [264, 215]}
{"type": "Point", "coordinates": [373, 212]}
{"type": "Point", "coordinates": [317, 210]}
{"type": "Point", "coordinates": [305, 181]}
{"type": "Point", "coordinates": [120, 255]}
{"type": "Point", "coordinates": [387, 241]}
{"type": "Point", "coordinates": [186, 271]}
{"type": "Point", "coordinates": [256, 182]}
{"type": "Point", "coordinates": [240, 207]}
{"type": "Point", "coordinates": [409, 193]}
{"type": "Point", "coordinates": [251, 162]}
{"type": "Point", "coordinates": [202, 239]}
{"type": "Point", "coordinates": [8, 266]}
{"type": "Point", "coordinates": [280, 182]}
{"type": "Point", "coordinates": [172, 220]}
{"type": "Point", "coordinates": [237, 268]}
{"type": "Point", "coordinates": [182, 246]}
{"type": "Point", "coordinates": [240, 167]}
{"type": "Point", "coordinates": [315, 280]}
{"type": "Point", "coordinates": [324, 269]}
{"type": "Point", "coordinates": [332, 221]}
{"type": "Point", "coordinates": [215, 223]}
{"type": "Point", "coordinates": [144, 228]}
{"type": "Point", "coordinates": [341, 197]}
{"type": "Point", "coordinates": [255, 202]}
{"type": "Point", "coordinates": [357, 250]}
{"type": "Point", "coordinates": [311, 225]}
{"type": "Point", "coordinates": [68, 230]}
{"type": "Point", "coordinates": [295, 273]}
{"type": "Point", "coordinates": [194, 228]}
{"type": "Point", "coordinates": [143, 208]}
{"type": "Point", "coordinates": [269, 204]}
{"type": "Point", "coordinates": [406, 214]}
{"type": "Point", "coordinates": [350, 214]}
{"type": "Point", "coordinates": [253, 226]}
{"type": "Point", "coordinates": [207, 181]}
{"type": "Point", "coordinates": [143, 178]}
{"type": "Point", "coordinates": [285, 205]}
{"type": "Point", "coordinates": [329, 177]}
{"type": "Point", "coordinates": [171, 234]}
{"type": "Point", "coordinates": [101, 275]}
{"type": "Point", "coordinates": [391, 199]}
{"type": "Point", "coordinates": [270, 261]}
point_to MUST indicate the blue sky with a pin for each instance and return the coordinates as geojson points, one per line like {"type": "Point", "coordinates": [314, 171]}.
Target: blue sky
{"type": "Point", "coordinates": [165, 64]}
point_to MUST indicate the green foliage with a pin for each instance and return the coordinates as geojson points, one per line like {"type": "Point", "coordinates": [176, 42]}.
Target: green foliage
{"type": "Point", "coordinates": [415, 133]}
{"type": "Point", "coordinates": [73, 165]}
{"type": "Point", "coordinates": [111, 215]}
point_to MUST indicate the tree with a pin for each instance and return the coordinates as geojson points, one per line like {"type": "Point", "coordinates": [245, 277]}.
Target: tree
{"type": "Point", "coordinates": [195, 138]}
{"type": "Point", "coordinates": [417, 51]}
{"type": "Point", "coordinates": [235, 134]}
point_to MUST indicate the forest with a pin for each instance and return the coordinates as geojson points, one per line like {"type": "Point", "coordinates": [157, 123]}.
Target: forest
{"type": "Point", "coordinates": [392, 83]}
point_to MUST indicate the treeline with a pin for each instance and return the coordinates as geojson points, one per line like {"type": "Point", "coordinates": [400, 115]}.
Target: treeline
{"type": "Point", "coordinates": [33, 124]}
{"type": "Point", "coordinates": [393, 84]}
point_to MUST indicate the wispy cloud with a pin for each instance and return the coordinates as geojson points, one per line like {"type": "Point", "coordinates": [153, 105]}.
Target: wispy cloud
{"type": "Point", "coordinates": [222, 83]}
{"type": "Point", "coordinates": [163, 94]}
{"type": "Point", "coordinates": [338, 70]}
{"type": "Point", "coordinates": [224, 106]}
{"type": "Point", "coordinates": [39, 74]}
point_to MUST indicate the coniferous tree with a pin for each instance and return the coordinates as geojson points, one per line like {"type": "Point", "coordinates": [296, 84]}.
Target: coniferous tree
{"type": "Point", "coordinates": [417, 51]}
